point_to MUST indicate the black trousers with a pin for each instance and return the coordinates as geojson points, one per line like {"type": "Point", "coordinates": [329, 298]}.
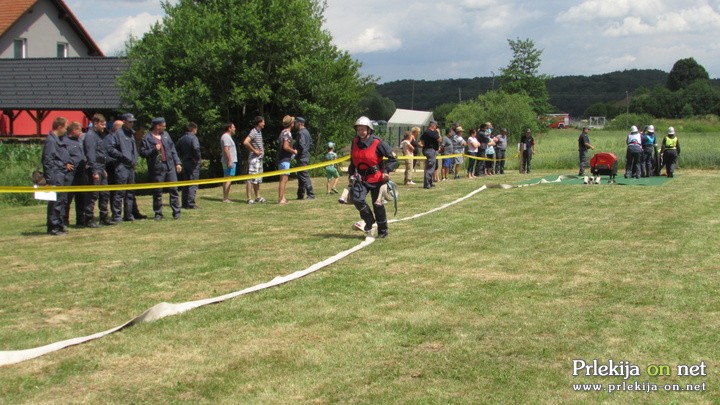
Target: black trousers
{"type": "Point", "coordinates": [304, 183]}
{"type": "Point", "coordinates": [359, 193]}
{"type": "Point", "coordinates": [500, 163]}
{"type": "Point", "coordinates": [165, 175]}
{"type": "Point", "coordinates": [123, 201]}
{"type": "Point", "coordinates": [191, 171]}
{"type": "Point", "coordinates": [102, 197]}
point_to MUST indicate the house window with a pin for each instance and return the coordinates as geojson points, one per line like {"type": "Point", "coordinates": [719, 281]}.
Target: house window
{"type": "Point", "coordinates": [20, 46]}
{"type": "Point", "coordinates": [62, 50]}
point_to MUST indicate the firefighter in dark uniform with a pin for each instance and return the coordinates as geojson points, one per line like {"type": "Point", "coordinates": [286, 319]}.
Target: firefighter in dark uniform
{"type": "Point", "coordinates": [77, 177]}
{"type": "Point", "coordinates": [56, 163]}
{"type": "Point", "coordinates": [368, 172]}
{"type": "Point", "coordinates": [188, 148]}
{"type": "Point", "coordinates": [163, 165]}
{"type": "Point", "coordinates": [122, 149]}
{"type": "Point", "coordinates": [670, 150]}
{"type": "Point", "coordinates": [96, 155]}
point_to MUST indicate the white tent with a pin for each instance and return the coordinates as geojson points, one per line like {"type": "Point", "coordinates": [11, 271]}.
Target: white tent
{"type": "Point", "coordinates": [404, 120]}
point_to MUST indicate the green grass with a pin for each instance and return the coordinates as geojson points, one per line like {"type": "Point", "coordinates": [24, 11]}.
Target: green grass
{"type": "Point", "coordinates": [488, 301]}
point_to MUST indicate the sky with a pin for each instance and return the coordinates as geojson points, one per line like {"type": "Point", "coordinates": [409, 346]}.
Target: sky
{"type": "Point", "coordinates": [450, 39]}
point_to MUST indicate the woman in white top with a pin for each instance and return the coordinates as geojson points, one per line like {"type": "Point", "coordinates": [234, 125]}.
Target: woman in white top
{"type": "Point", "coordinates": [473, 145]}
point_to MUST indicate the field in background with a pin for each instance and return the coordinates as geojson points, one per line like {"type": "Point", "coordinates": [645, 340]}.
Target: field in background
{"type": "Point", "coordinates": [489, 301]}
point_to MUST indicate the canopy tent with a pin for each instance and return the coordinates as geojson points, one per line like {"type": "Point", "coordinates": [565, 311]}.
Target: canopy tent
{"type": "Point", "coordinates": [404, 120]}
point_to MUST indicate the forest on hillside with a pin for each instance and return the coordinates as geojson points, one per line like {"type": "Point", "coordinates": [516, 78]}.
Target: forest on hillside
{"type": "Point", "coordinates": [571, 94]}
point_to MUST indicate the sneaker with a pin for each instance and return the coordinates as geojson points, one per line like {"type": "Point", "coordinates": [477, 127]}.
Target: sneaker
{"type": "Point", "coordinates": [158, 217]}
{"type": "Point", "coordinates": [334, 190]}
{"type": "Point", "coordinates": [57, 232]}
{"type": "Point", "coordinates": [251, 201]}
{"type": "Point", "coordinates": [359, 226]}
{"type": "Point", "coordinates": [342, 201]}
{"type": "Point", "coordinates": [260, 200]}
{"type": "Point", "coordinates": [383, 235]}
{"type": "Point", "coordinates": [412, 183]}
{"type": "Point", "coordinates": [311, 197]}
{"type": "Point", "coordinates": [176, 217]}
{"type": "Point", "coordinates": [227, 201]}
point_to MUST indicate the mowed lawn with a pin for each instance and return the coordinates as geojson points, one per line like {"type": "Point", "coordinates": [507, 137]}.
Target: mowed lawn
{"type": "Point", "coordinates": [488, 301]}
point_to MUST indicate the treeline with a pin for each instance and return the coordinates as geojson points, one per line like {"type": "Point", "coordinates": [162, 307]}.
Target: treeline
{"type": "Point", "coordinates": [572, 94]}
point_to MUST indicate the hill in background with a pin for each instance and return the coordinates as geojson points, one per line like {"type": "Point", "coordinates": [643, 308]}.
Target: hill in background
{"type": "Point", "coordinates": [571, 94]}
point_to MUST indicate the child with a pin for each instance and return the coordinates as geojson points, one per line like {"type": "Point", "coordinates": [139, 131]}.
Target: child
{"type": "Point", "coordinates": [331, 171]}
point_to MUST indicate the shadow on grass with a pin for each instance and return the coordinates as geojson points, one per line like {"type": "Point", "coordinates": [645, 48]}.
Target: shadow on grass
{"type": "Point", "coordinates": [358, 236]}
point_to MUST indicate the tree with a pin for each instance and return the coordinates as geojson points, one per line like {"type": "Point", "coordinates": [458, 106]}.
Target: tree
{"type": "Point", "coordinates": [376, 106]}
{"type": "Point", "coordinates": [228, 60]}
{"type": "Point", "coordinates": [511, 111]}
{"type": "Point", "coordinates": [522, 75]}
{"type": "Point", "coordinates": [684, 72]}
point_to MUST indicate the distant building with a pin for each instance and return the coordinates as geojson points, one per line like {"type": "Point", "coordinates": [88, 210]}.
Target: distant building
{"type": "Point", "coordinates": [33, 89]}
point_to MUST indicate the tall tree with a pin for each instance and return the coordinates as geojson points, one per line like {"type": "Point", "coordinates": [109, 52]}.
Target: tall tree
{"type": "Point", "coordinates": [522, 75]}
{"type": "Point", "coordinates": [376, 106]}
{"type": "Point", "coordinates": [229, 60]}
{"type": "Point", "coordinates": [684, 72]}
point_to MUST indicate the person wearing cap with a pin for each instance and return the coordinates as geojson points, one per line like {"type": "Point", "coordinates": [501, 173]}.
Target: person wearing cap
{"type": "Point", "coordinates": [163, 165]}
{"type": "Point", "coordinates": [254, 144]}
{"type": "Point", "coordinates": [501, 142]}
{"type": "Point", "coordinates": [229, 158]}
{"type": "Point", "coordinates": [649, 143]}
{"type": "Point", "coordinates": [583, 146]}
{"type": "Point", "coordinates": [430, 141]}
{"type": "Point", "coordinates": [188, 148]}
{"type": "Point", "coordinates": [670, 150]}
{"type": "Point", "coordinates": [303, 145]}
{"type": "Point", "coordinates": [634, 154]}
{"type": "Point", "coordinates": [285, 154]}
{"type": "Point", "coordinates": [368, 172]}
{"type": "Point", "coordinates": [331, 171]}
{"type": "Point", "coordinates": [77, 177]}
{"type": "Point", "coordinates": [458, 147]}
{"type": "Point", "coordinates": [122, 149]}
{"type": "Point", "coordinates": [56, 164]}
{"type": "Point", "coordinates": [527, 146]}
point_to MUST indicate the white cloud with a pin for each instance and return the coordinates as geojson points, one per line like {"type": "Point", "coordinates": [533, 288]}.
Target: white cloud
{"type": "Point", "coordinates": [135, 25]}
{"type": "Point", "coordinates": [373, 40]}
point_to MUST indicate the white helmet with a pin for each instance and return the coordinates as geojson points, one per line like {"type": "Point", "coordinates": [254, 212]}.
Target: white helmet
{"type": "Point", "coordinates": [331, 144]}
{"type": "Point", "coordinates": [671, 131]}
{"type": "Point", "coordinates": [651, 128]}
{"type": "Point", "coordinates": [364, 121]}
{"type": "Point", "coordinates": [633, 129]}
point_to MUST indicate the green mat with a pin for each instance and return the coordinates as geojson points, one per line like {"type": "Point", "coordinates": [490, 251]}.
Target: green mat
{"type": "Point", "coordinates": [619, 180]}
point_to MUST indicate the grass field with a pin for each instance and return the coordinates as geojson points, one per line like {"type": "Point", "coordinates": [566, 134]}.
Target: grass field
{"type": "Point", "coordinates": [489, 301]}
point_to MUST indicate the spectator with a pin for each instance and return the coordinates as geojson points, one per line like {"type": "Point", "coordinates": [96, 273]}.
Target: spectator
{"type": "Point", "coordinates": [458, 147]}
{"type": "Point", "coordinates": [188, 148]}
{"type": "Point", "coordinates": [77, 177]}
{"type": "Point", "coordinates": [254, 144]}
{"type": "Point", "coordinates": [446, 149]}
{"type": "Point", "coordinates": [303, 147]}
{"type": "Point", "coordinates": [489, 150]}
{"type": "Point", "coordinates": [473, 146]}
{"type": "Point", "coordinates": [229, 158]}
{"type": "Point", "coordinates": [408, 150]}
{"type": "Point", "coordinates": [430, 141]}
{"type": "Point", "coordinates": [501, 142]}
{"type": "Point", "coordinates": [163, 165]}
{"type": "Point", "coordinates": [56, 164]}
{"type": "Point", "coordinates": [122, 148]}
{"type": "Point", "coordinates": [97, 172]}
{"type": "Point", "coordinates": [484, 140]}
{"type": "Point", "coordinates": [285, 154]}
{"type": "Point", "coordinates": [331, 171]}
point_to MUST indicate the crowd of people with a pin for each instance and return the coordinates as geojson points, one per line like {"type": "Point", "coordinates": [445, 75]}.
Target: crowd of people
{"type": "Point", "coordinates": [101, 157]}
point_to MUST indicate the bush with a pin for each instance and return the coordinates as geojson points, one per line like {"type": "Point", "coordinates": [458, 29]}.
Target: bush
{"type": "Point", "coordinates": [19, 161]}
{"type": "Point", "coordinates": [623, 122]}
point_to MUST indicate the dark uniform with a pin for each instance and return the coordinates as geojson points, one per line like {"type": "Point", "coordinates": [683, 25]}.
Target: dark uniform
{"type": "Point", "coordinates": [527, 153]}
{"type": "Point", "coordinates": [634, 155]}
{"type": "Point", "coordinates": [583, 141]}
{"type": "Point", "coordinates": [303, 145]}
{"type": "Point", "coordinates": [76, 178]}
{"type": "Point", "coordinates": [161, 168]}
{"type": "Point", "coordinates": [54, 160]}
{"type": "Point", "coordinates": [122, 149]}
{"type": "Point", "coordinates": [188, 148]}
{"type": "Point", "coordinates": [367, 168]}
{"type": "Point", "coordinates": [431, 144]}
{"type": "Point", "coordinates": [97, 158]}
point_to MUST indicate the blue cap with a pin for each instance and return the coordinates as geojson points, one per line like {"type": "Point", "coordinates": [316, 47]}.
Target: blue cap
{"type": "Point", "coordinates": [158, 120]}
{"type": "Point", "coordinates": [128, 117]}
{"type": "Point", "coordinates": [300, 119]}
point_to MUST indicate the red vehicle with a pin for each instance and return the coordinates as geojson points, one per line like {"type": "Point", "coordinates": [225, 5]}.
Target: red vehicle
{"type": "Point", "coordinates": [557, 121]}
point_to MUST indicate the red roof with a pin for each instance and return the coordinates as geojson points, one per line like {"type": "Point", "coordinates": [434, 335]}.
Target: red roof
{"type": "Point", "coordinates": [12, 10]}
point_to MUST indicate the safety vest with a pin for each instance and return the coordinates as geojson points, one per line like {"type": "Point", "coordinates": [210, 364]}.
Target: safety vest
{"type": "Point", "coordinates": [367, 162]}
{"type": "Point", "coordinates": [670, 143]}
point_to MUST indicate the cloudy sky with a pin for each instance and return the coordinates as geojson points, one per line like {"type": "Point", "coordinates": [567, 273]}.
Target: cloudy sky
{"type": "Point", "coordinates": [442, 39]}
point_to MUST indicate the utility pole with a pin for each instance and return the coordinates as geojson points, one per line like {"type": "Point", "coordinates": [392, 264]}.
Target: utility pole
{"type": "Point", "coordinates": [459, 95]}
{"type": "Point", "coordinates": [627, 109]}
{"type": "Point", "coordinates": [412, 99]}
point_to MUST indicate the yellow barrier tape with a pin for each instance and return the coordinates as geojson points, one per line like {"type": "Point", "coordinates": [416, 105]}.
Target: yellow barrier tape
{"type": "Point", "coordinates": [149, 186]}
{"type": "Point", "coordinates": [215, 180]}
